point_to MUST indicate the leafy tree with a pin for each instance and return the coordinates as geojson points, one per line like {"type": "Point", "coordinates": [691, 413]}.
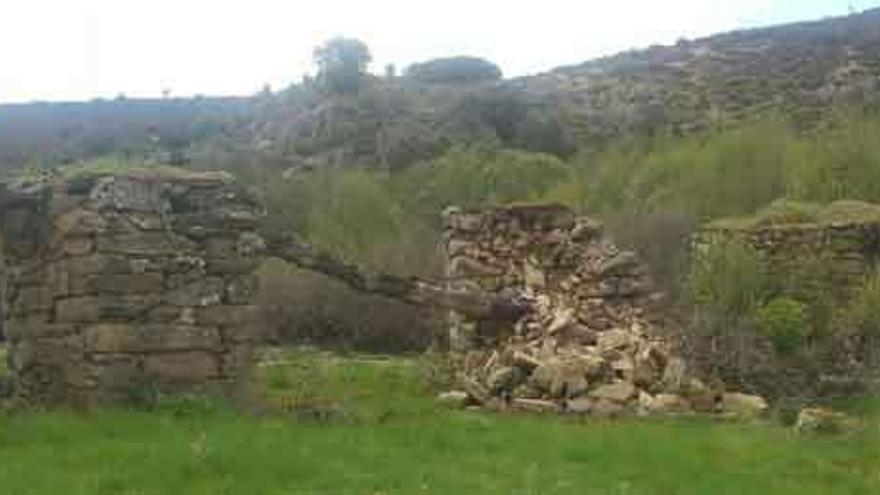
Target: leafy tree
{"type": "Point", "coordinates": [342, 64]}
{"type": "Point", "coordinates": [454, 70]}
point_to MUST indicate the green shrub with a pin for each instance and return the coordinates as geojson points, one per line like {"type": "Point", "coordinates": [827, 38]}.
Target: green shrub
{"type": "Point", "coordinates": [726, 280]}
{"type": "Point", "coordinates": [353, 212]}
{"type": "Point", "coordinates": [739, 170]}
{"type": "Point", "coordinates": [727, 173]}
{"type": "Point", "coordinates": [478, 176]}
{"type": "Point", "coordinates": [545, 131]}
{"type": "Point", "coordinates": [862, 314]}
{"type": "Point", "coordinates": [784, 320]}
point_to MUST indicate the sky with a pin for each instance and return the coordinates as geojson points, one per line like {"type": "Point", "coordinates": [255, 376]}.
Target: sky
{"type": "Point", "coordinates": [82, 49]}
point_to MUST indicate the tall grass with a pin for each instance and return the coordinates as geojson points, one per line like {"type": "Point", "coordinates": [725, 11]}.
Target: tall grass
{"type": "Point", "coordinates": [370, 427]}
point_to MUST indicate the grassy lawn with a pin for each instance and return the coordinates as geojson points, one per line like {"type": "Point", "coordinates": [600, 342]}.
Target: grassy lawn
{"type": "Point", "coordinates": [370, 427]}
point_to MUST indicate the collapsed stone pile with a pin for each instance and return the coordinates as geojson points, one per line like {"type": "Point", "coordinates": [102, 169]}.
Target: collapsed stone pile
{"type": "Point", "coordinates": [590, 345]}
{"type": "Point", "coordinates": [118, 281]}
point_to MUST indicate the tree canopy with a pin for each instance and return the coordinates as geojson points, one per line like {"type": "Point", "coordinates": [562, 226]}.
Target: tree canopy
{"type": "Point", "coordinates": [459, 70]}
{"type": "Point", "coordinates": [342, 63]}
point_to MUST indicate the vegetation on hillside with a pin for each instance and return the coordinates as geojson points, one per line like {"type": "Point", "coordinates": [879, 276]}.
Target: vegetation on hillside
{"type": "Point", "coordinates": [342, 64]}
{"type": "Point", "coordinates": [454, 70]}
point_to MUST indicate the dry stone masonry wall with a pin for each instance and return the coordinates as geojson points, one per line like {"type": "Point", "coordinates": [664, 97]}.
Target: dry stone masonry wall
{"type": "Point", "coordinates": [824, 264]}
{"type": "Point", "coordinates": [830, 259]}
{"type": "Point", "coordinates": [141, 279]}
{"type": "Point", "coordinates": [591, 345]}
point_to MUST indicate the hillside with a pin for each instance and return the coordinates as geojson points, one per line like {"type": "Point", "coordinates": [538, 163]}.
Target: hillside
{"type": "Point", "coordinates": [802, 70]}
{"type": "Point", "coordinates": [59, 133]}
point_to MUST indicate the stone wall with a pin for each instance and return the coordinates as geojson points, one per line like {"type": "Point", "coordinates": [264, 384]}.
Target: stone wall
{"type": "Point", "coordinates": [592, 343]}
{"type": "Point", "coordinates": [821, 264]}
{"type": "Point", "coordinates": [117, 282]}
{"type": "Point", "coordinates": [830, 259]}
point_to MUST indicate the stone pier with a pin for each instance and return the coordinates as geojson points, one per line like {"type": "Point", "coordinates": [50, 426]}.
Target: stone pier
{"type": "Point", "coordinates": [116, 282]}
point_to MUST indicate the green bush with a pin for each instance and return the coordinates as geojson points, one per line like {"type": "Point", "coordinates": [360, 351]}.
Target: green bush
{"type": "Point", "coordinates": [545, 131]}
{"type": "Point", "coordinates": [352, 213]}
{"type": "Point", "coordinates": [784, 320]}
{"type": "Point", "coordinates": [726, 280]}
{"type": "Point", "coordinates": [728, 173]}
{"type": "Point", "coordinates": [479, 176]}
{"type": "Point", "coordinates": [862, 314]}
{"type": "Point", "coordinates": [738, 171]}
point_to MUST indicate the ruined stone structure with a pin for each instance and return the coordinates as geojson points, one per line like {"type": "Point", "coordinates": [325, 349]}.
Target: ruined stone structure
{"type": "Point", "coordinates": [821, 256]}
{"type": "Point", "coordinates": [116, 282]}
{"type": "Point", "coordinates": [831, 258]}
{"type": "Point", "coordinates": [590, 343]}
{"type": "Point", "coordinates": [139, 279]}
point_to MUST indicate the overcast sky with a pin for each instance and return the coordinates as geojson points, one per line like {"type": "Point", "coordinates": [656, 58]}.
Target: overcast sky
{"type": "Point", "coordinates": [81, 49]}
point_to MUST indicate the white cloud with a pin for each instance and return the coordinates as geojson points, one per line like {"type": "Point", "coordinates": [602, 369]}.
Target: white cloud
{"type": "Point", "coordinates": [76, 50]}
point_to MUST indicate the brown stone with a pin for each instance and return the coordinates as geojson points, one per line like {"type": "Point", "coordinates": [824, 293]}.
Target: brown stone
{"type": "Point", "coordinates": [80, 221]}
{"type": "Point", "coordinates": [145, 244]}
{"type": "Point", "coordinates": [619, 392]}
{"type": "Point", "coordinates": [466, 222]}
{"type": "Point", "coordinates": [611, 340]}
{"type": "Point", "coordinates": [664, 404]}
{"type": "Point", "coordinates": [743, 406]}
{"type": "Point", "coordinates": [503, 379]}
{"type": "Point", "coordinates": [77, 246]}
{"type": "Point", "coordinates": [228, 315]}
{"type": "Point", "coordinates": [146, 221]}
{"type": "Point", "coordinates": [818, 420]}
{"type": "Point", "coordinates": [241, 290]}
{"type": "Point", "coordinates": [475, 390]}
{"type": "Point", "coordinates": [675, 374]}
{"type": "Point", "coordinates": [187, 367]}
{"type": "Point", "coordinates": [564, 377]}
{"type": "Point", "coordinates": [117, 373]}
{"type": "Point", "coordinates": [94, 308]}
{"type": "Point", "coordinates": [562, 320]}
{"type": "Point", "coordinates": [32, 300]}
{"type": "Point", "coordinates": [122, 338]}
{"type": "Point", "coordinates": [580, 405]}
{"type": "Point", "coordinates": [533, 276]}
{"type": "Point", "coordinates": [463, 266]}
{"type": "Point", "coordinates": [457, 399]}
{"type": "Point", "coordinates": [164, 313]}
{"type": "Point", "coordinates": [231, 266]}
{"type": "Point", "coordinates": [36, 327]}
{"type": "Point", "coordinates": [535, 405]}
{"type": "Point", "coordinates": [238, 362]}
{"type": "Point", "coordinates": [137, 283]}
{"type": "Point", "coordinates": [205, 292]}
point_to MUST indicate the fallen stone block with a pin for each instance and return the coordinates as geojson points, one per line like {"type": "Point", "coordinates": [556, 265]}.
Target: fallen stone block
{"type": "Point", "coordinates": [820, 420]}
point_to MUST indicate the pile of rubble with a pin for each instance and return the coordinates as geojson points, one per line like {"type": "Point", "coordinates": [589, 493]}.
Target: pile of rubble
{"type": "Point", "coordinates": [591, 343]}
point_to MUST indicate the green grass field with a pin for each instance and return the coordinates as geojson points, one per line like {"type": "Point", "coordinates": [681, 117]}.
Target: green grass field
{"type": "Point", "coordinates": [355, 426]}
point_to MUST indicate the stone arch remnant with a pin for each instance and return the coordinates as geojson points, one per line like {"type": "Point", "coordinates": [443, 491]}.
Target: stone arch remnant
{"type": "Point", "coordinates": [142, 277]}
{"type": "Point", "coordinates": [146, 277]}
